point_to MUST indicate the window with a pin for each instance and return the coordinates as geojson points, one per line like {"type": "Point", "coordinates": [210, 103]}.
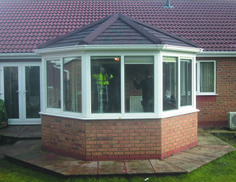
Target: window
{"type": "Point", "coordinates": [139, 84]}
{"type": "Point", "coordinates": [105, 84]}
{"type": "Point", "coordinates": [120, 85]}
{"type": "Point", "coordinates": [170, 83]}
{"type": "Point", "coordinates": [186, 82]}
{"type": "Point", "coordinates": [72, 84]}
{"type": "Point", "coordinates": [206, 77]}
{"type": "Point", "coordinates": [53, 84]}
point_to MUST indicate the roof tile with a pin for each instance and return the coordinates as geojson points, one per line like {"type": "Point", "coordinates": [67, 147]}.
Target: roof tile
{"type": "Point", "coordinates": [202, 21]}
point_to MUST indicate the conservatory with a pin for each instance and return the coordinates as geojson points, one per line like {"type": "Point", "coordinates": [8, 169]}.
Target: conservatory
{"type": "Point", "coordinates": [118, 89]}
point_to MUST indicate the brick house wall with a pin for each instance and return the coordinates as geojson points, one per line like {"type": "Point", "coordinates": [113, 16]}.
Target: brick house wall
{"type": "Point", "coordinates": [214, 109]}
{"type": "Point", "coordinates": [119, 139]}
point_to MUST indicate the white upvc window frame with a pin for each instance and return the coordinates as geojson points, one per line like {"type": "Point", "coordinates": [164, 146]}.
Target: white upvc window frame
{"type": "Point", "coordinates": [60, 111]}
{"type": "Point", "coordinates": [198, 78]}
{"type": "Point", "coordinates": [44, 87]}
{"type": "Point", "coordinates": [122, 114]}
{"type": "Point", "coordinates": [180, 109]}
{"type": "Point", "coordinates": [86, 113]}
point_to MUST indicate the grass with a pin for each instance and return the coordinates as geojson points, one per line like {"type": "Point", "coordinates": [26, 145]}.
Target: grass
{"type": "Point", "coordinates": [220, 170]}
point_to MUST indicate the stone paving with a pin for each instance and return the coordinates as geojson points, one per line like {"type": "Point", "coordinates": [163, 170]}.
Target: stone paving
{"type": "Point", "coordinates": [208, 149]}
{"type": "Point", "coordinates": [22, 131]}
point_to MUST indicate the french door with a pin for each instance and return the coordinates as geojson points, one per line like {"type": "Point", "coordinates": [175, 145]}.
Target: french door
{"type": "Point", "coordinates": [20, 89]}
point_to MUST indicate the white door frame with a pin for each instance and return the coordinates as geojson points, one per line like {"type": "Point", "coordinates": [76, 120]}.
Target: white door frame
{"type": "Point", "coordinates": [22, 120]}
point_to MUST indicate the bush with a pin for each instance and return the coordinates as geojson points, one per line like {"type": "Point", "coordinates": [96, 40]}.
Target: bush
{"type": "Point", "coordinates": [3, 114]}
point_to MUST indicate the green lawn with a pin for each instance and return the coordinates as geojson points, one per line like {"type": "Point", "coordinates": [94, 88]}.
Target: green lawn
{"type": "Point", "coordinates": [223, 169]}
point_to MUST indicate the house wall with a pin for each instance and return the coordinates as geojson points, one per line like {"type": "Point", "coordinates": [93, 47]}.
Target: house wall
{"type": "Point", "coordinates": [214, 109]}
{"type": "Point", "coordinates": [119, 139]}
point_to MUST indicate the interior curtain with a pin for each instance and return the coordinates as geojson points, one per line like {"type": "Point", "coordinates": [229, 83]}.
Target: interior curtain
{"type": "Point", "coordinates": [207, 77]}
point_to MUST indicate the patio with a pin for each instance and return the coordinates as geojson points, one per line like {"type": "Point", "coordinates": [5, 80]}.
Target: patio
{"type": "Point", "coordinates": [27, 150]}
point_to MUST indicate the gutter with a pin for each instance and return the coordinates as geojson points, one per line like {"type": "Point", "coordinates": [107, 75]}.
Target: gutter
{"type": "Point", "coordinates": [7, 56]}
{"type": "Point", "coordinates": [142, 47]}
{"type": "Point", "coordinates": [217, 54]}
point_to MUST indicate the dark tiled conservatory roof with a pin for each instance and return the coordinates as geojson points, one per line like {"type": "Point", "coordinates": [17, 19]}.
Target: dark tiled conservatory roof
{"type": "Point", "coordinates": [117, 29]}
{"type": "Point", "coordinates": [24, 24]}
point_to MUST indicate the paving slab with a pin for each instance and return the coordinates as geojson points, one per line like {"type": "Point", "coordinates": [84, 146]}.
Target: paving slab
{"type": "Point", "coordinates": [71, 168]}
{"type": "Point", "coordinates": [24, 146]}
{"type": "Point", "coordinates": [184, 163]}
{"type": "Point", "coordinates": [162, 167]}
{"type": "Point", "coordinates": [83, 168]}
{"type": "Point", "coordinates": [53, 163]}
{"type": "Point", "coordinates": [199, 157]}
{"type": "Point", "coordinates": [22, 132]}
{"type": "Point", "coordinates": [211, 151]}
{"type": "Point", "coordinates": [3, 149]}
{"type": "Point", "coordinates": [139, 167]}
{"type": "Point", "coordinates": [196, 157]}
{"type": "Point", "coordinates": [206, 138]}
{"type": "Point", "coordinates": [111, 167]}
{"type": "Point", "coordinates": [208, 149]}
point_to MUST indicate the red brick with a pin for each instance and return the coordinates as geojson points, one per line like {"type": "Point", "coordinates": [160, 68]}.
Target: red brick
{"type": "Point", "coordinates": [140, 138]}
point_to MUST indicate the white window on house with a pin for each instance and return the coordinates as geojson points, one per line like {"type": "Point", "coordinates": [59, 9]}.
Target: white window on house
{"type": "Point", "coordinates": [186, 82]}
{"type": "Point", "coordinates": [72, 84]}
{"type": "Point", "coordinates": [53, 68]}
{"type": "Point", "coordinates": [123, 85]}
{"type": "Point", "coordinates": [170, 83]}
{"type": "Point", "coordinates": [206, 77]}
{"type": "Point", "coordinates": [105, 84]}
{"type": "Point", "coordinates": [139, 84]}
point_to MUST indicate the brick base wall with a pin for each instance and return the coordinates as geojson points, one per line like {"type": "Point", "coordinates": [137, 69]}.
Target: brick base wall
{"type": "Point", "coordinates": [178, 134]}
{"type": "Point", "coordinates": [119, 139]}
{"type": "Point", "coordinates": [65, 136]}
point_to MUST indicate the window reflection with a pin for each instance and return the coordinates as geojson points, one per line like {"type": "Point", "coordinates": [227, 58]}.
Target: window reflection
{"type": "Point", "coordinates": [139, 84]}
{"type": "Point", "coordinates": [170, 83]}
{"type": "Point", "coordinates": [53, 84]}
{"type": "Point", "coordinates": [32, 82]}
{"type": "Point", "coordinates": [186, 82]}
{"type": "Point", "coordinates": [11, 91]}
{"type": "Point", "coordinates": [72, 84]}
{"type": "Point", "coordinates": [105, 84]}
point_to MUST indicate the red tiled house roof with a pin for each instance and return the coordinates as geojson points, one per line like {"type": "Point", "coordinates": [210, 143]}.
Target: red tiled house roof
{"type": "Point", "coordinates": [25, 24]}
{"type": "Point", "coordinates": [117, 29]}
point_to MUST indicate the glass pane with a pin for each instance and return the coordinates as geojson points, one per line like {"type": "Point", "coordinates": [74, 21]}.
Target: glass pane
{"type": "Point", "coordinates": [207, 80]}
{"type": "Point", "coordinates": [32, 91]}
{"type": "Point", "coordinates": [105, 85]}
{"type": "Point", "coordinates": [139, 84]}
{"type": "Point", "coordinates": [11, 96]}
{"type": "Point", "coordinates": [170, 83]}
{"type": "Point", "coordinates": [53, 84]}
{"type": "Point", "coordinates": [72, 84]}
{"type": "Point", "coordinates": [186, 82]}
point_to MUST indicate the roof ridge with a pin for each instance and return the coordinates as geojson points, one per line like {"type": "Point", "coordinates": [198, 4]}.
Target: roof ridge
{"type": "Point", "coordinates": [101, 28]}
{"type": "Point", "coordinates": [132, 22]}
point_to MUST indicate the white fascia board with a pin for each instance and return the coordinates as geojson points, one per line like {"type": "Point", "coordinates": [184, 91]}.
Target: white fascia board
{"type": "Point", "coordinates": [19, 56]}
{"type": "Point", "coordinates": [217, 54]}
{"type": "Point", "coordinates": [182, 48]}
{"type": "Point", "coordinates": [143, 47]}
{"type": "Point", "coordinates": [96, 47]}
